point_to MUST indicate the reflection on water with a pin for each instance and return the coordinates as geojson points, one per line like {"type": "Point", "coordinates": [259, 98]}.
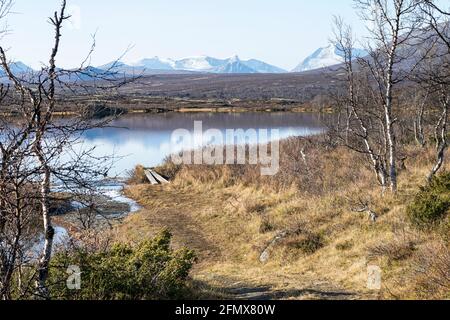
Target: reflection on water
{"type": "Point", "coordinates": [145, 138]}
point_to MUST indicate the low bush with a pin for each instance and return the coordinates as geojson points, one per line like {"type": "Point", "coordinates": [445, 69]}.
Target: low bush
{"type": "Point", "coordinates": [148, 270]}
{"type": "Point", "coordinates": [307, 243]}
{"type": "Point", "coordinates": [432, 203]}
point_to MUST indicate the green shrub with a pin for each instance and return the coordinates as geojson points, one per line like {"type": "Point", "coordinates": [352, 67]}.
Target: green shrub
{"type": "Point", "coordinates": [427, 209]}
{"type": "Point", "coordinates": [441, 184]}
{"type": "Point", "coordinates": [431, 204]}
{"type": "Point", "coordinates": [149, 270]}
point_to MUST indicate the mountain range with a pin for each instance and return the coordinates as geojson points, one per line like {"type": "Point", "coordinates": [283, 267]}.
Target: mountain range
{"type": "Point", "coordinates": [321, 58]}
{"type": "Point", "coordinates": [203, 64]}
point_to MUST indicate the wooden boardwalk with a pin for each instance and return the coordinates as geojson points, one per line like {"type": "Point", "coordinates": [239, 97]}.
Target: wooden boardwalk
{"type": "Point", "coordinates": [154, 178]}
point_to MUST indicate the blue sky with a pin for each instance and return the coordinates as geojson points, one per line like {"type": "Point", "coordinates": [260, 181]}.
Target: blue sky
{"type": "Point", "coordinates": [281, 32]}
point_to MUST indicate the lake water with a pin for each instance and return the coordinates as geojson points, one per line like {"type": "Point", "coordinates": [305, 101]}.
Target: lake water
{"type": "Point", "coordinates": [146, 138]}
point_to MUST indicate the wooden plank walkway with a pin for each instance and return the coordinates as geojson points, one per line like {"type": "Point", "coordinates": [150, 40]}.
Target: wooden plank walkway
{"type": "Point", "coordinates": [158, 176]}
{"type": "Point", "coordinates": [154, 178]}
{"type": "Point", "coordinates": [150, 177]}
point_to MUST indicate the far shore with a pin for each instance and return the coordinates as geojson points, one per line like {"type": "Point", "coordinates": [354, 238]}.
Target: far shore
{"type": "Point", "coordinates": [177, 105]}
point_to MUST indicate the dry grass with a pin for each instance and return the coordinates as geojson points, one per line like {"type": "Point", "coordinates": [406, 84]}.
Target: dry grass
{"type": "Point", "coordinates": [137, 176]}
{"type": "Point", "coordinates": [431, 268]}
{"type": "Point", "coordinates": [229, 214]}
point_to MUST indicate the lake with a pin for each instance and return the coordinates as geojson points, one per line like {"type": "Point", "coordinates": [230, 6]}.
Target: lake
{"type": "Point", "coordinates": [146, 138]}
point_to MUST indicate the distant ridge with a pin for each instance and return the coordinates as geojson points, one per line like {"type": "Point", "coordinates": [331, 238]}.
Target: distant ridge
{"type": "Point", "coordinates": [16, 68]}
{"type": "Point", "coordinates": [204, 64]}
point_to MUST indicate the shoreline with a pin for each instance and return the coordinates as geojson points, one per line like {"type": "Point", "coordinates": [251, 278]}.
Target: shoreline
{"type": "Point", "coordinates": [159, 105]}
{"type": "Point", "coordinates": [71, 113]}
{"type": "Point", "coordinates": [115, 206]}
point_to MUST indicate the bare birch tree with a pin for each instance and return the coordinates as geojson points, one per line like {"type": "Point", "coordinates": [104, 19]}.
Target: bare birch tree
{"type": "Point", "coordinates": [359, 134]}
{"type": "Point", "coordinates": [391, 24]}
{"type": "Point", "coordinates": [435, 73]}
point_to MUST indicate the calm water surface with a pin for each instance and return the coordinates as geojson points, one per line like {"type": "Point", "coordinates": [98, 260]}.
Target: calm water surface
{"type": "Point", "coordinates": [145, 138]}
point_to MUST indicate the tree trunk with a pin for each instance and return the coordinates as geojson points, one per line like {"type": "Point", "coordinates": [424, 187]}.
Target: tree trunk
{"type": "Point", "coordinates": [441, 139]}
{"type": "Point", "coordinates": [392, 149]}
{"type": "Point", "coordinates": [418, 124]}
{"type": "Point", "coordinates": [49, 232]}
{"type": "Point", "coordinates": [388, 107]}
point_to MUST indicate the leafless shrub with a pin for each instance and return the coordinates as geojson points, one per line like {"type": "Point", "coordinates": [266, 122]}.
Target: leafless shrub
{"type": "Point", "coordinates": [396, 250]}
{"type": "Point", "coordinates": [306, 242]}
{"type": "Point", "coordinates": [431, 271]}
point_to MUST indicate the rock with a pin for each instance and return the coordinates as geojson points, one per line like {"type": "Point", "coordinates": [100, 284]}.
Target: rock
{"type": "Point", "coordinates": [265, 255]}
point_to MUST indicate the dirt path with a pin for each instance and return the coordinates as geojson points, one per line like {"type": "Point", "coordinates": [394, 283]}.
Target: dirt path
{"type": "Point", "coordinates": [239, 289]}
{"type": "Point", "coordinates": [171, 209]}
{"type": "Point", "coordinates": [197, 221]}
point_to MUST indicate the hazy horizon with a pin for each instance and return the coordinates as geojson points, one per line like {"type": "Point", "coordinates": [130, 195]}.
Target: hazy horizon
{"type": "Point", "coordinates": [281, 33]}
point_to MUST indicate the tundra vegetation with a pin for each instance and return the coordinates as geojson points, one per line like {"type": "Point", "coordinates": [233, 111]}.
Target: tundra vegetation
{"type": "Point", "coordinates": [373, 190]}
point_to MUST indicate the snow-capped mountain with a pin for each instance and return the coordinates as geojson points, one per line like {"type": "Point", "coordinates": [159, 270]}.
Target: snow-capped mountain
{"type": "Point", "coordinates": [195, 64]}
{"type": "Point", "coordinates": [156, 63]}
{"type": "Point", "coordinates": [325, 57]}
{"type": "Point", "coordinates": [17, 68]}
{"type": "Point", "coordinates": [235, 65]}
{"type": "Point", "coordinates": [200, 64]}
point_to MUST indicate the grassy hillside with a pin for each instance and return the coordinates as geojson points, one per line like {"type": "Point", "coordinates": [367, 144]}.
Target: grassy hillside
{"type": "Point", "coordinates": [308, 221]}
